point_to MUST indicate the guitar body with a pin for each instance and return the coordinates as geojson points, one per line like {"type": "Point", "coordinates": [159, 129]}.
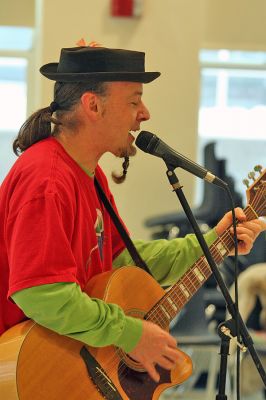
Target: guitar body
{"type": "Point", "coordinates": [36, 363]}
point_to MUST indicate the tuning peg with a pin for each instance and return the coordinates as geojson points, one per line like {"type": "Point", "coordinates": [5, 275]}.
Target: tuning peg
{"type": "Point", "coordinates": [251, 175]}
{"type": "Point", "coordinates": [258, 168]}
{"type": "Point", "coordinates": [246, 182]}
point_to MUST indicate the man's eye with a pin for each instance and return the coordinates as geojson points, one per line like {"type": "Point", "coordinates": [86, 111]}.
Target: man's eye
{"type": "Point", "coordinates": [134, 103]}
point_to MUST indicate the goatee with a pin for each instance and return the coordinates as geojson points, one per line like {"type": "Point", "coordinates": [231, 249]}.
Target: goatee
{"type": "Point", "coordinates": [129, 152]}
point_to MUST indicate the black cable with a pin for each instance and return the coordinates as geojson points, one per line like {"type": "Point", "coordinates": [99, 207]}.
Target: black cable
{"type": "Point", "coordinates": [236, 272]}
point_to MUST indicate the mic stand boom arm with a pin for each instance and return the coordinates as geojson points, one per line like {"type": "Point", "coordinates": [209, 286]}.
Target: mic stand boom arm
{"type": "Point", "coordinates": [228, 299]}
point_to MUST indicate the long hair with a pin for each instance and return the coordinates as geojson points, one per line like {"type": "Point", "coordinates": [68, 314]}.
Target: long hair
{"type": "Point", "coordinates": [39, 125]}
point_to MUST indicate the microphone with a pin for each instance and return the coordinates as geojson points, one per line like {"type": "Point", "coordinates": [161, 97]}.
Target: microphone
{"type": "Point", "coordinates": [150, 143]}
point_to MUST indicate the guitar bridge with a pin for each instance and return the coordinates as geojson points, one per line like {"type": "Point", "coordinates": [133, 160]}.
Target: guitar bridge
{"type": "Point", "coordinates": [99, 377]}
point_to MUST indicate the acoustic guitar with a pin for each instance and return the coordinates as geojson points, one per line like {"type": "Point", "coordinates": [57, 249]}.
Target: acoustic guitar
{"type": "Point", "coordinates": [39, 364]}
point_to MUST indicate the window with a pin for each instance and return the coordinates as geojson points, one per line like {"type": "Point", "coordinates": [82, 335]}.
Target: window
{"type": "Point", "coordinates": [233, 109]}
{"type": "Point", "coordinates": [15, 44]}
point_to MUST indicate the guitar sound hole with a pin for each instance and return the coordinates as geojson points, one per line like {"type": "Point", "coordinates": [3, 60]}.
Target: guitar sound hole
{"type": "Point", "coordinates": [129, 361]}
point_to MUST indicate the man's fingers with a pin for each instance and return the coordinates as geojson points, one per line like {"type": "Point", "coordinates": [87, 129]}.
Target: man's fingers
{"type": "Point", "coordinates": [162, 361]}
{"type": "Point", "coordinates": [150, 368]}
{"type": "Point", "coordinates": [173, 354]}
{"type": "Point", "coordinates": [166, 363]}
{"type": "Point", "coordinates": [171, 341]}
{"type": "Point", "coordinates": [250, 229]}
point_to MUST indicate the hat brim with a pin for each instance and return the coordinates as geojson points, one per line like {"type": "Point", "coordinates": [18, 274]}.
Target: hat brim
{"type": "Point", "coordinates": [50, 72]}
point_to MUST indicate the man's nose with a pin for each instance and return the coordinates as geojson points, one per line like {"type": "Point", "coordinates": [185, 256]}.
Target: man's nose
{"type": "Point", "coordinates": [144, 114]}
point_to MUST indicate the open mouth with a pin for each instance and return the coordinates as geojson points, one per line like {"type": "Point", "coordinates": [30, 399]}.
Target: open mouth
{"type": "Point", "coordinates": [134, 133]}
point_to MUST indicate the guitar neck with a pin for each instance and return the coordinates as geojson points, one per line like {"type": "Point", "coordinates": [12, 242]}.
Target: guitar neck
{"type": "Point", "coordinates": [181, 292]}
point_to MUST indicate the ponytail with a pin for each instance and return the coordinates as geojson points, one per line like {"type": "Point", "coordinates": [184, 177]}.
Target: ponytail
{"type": "Point", "coordinates": [38, 125]}
{"type": "Point", "coordinates": [34, 129]}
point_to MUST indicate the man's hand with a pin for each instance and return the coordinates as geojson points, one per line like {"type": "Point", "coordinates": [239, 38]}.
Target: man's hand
{"type": "Point", "coordinates": [247, 231]}
{"type": "Point", "coordinates": [155, 346]}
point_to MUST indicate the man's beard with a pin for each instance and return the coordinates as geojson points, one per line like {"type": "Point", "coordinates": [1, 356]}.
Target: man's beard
{"type": "Point", "coordinates": [130, 151]}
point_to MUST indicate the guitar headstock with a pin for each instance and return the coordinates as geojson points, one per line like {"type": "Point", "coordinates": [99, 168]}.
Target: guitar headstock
{"type": "Point", "coordinates": [256, 193]}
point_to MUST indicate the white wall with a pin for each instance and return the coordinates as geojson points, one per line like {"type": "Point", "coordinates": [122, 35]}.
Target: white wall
{"type": "Point", "coordinates": [17, 12]}
{"type": "Point", "coordinates": [235, 24]}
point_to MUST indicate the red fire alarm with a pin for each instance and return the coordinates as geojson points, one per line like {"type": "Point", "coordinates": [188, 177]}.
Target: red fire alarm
{"type": "Point", "coordinates": [126, 8]}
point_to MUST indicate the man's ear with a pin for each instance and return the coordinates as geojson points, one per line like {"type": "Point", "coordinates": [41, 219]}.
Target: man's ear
{"type": "Point", "coordinates": [91, 104]}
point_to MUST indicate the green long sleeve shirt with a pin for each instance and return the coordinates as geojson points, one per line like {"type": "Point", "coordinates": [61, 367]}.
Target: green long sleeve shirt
{"type": "Point", "coordinates": [65, 309]}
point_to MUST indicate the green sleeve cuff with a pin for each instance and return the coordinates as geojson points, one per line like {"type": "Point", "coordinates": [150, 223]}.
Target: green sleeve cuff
{"type": "Point", "coordinates": [131, 334]}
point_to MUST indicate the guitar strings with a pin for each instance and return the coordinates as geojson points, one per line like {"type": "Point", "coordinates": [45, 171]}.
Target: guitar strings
{"type": "Point", "coordinates": [226, 239]}
{"type": "Point", "coordinates": [192, 284]}
{"type": "Point", "coordinates": [159, 321]}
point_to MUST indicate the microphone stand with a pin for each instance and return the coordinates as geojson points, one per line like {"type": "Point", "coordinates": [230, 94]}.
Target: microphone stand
{"type": "Point", "coordinates": [226, 330]}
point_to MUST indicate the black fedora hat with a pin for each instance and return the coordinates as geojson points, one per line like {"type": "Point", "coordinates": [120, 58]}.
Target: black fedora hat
{"type": "Point", "coordinates": [85, 63]}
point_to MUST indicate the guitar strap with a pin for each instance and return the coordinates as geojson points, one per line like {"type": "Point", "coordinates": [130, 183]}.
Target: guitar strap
{"type": "Point", "coordinates": [120, 228]}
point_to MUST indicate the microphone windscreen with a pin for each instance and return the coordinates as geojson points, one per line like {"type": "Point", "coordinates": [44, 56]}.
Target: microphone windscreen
{"type": "Point", "coordinates": [143, 140]}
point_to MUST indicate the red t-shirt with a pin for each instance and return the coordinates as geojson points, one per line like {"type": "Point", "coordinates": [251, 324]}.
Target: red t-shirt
{"type": "Point", "coordinates": [53, 228]}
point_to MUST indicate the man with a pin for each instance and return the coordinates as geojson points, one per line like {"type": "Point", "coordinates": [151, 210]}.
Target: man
{"type": "Point", "coordinates": [55, 234]}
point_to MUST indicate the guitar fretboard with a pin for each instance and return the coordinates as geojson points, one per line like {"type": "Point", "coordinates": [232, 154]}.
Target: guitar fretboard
{"type": "Point", "coordinates": [180, 293]}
